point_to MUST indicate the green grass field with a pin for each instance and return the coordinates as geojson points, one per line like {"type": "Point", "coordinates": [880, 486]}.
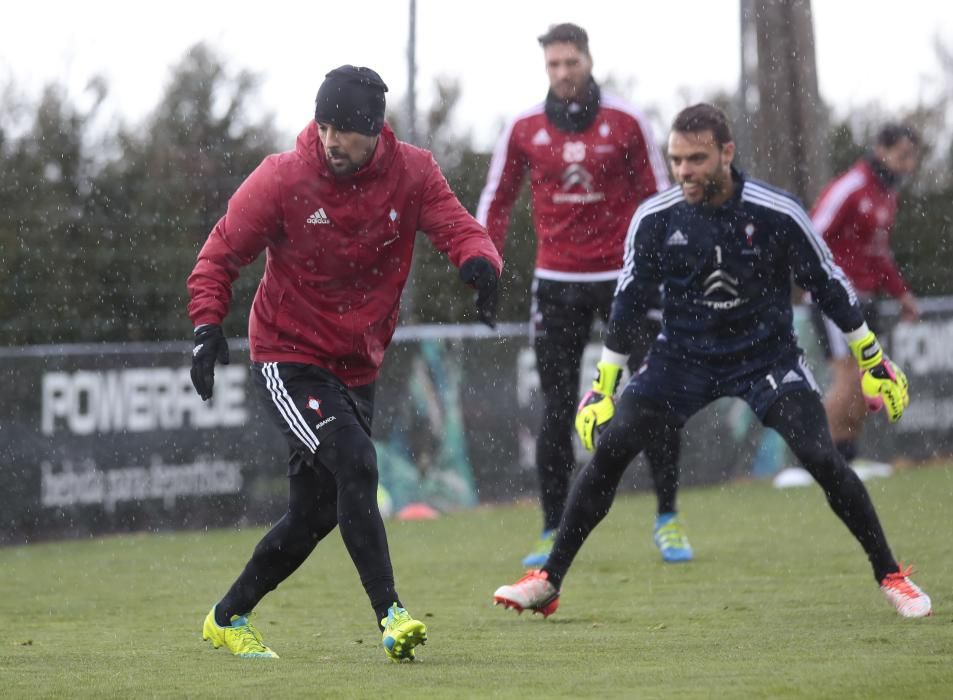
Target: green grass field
{"type": "Point", "coordinates": [779, 603]}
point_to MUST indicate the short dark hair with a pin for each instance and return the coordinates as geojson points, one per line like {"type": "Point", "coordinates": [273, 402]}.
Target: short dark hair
{"type": "Point", "coordinates": [891, 134]}
{"type": "Point", "coordinates": [566, 33]}
{"type": "Point", "coordinates": [703, 117]}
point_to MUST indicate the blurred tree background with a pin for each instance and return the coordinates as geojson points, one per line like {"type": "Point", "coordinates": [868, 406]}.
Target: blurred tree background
{"type": "Point", "coordinates": [99, 229]}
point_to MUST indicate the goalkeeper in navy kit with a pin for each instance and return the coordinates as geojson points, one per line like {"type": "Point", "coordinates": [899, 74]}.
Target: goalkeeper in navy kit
{"type": "Point", "coordinates": [725, 248]}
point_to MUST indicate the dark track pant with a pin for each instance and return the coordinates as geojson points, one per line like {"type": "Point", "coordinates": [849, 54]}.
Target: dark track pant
{"type": "Point", "coordinates": [333, 485]}
{"type": "Point", "coordinates": [563, 315]}
{"type": "Point", "coordinates": [798, 417]}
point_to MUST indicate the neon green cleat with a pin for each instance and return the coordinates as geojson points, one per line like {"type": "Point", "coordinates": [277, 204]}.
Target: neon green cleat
{"type": "Point", "coordinates": [671, 540]}
{"type": "Point", "coordinates": [401, 634]}
{"type": "Point", "coordinates": [242, 639]}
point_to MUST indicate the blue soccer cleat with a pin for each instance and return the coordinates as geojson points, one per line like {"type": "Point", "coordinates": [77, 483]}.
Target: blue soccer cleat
{"type": "Point", "coordinates": [670, 538]}
{"type": "Point", "coordinates": [537, 558]}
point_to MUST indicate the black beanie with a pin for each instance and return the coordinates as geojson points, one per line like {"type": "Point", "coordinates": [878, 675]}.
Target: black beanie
{"type": "Point", "coordinates": [351, 98]}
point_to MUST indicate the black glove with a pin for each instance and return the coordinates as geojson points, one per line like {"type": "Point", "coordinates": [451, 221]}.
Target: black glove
{"type": "Point", "coordinates": [210, 345]}
{"type": "Point", "coordinates": [480, 274]}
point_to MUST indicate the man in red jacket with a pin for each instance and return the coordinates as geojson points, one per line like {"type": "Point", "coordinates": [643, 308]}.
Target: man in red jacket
{"type": "Point", "coordinates": [337, 218]}
{"type": "Point", "coordinates": [591, 161]}
{"type": "Point", "coordinates": [855, 213]}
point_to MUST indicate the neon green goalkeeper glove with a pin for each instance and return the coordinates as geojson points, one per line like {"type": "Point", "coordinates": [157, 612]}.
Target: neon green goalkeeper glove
{"type": "Point", "coordinates": [883, 384]}
{"type": "Point", "coordinates": [597, 408]}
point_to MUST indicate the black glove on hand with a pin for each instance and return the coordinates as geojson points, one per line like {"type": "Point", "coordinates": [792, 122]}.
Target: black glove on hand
{"type": "Point", "coordinates": [480, 274]}
{"type": "Point", "coordinates": [210, 345]}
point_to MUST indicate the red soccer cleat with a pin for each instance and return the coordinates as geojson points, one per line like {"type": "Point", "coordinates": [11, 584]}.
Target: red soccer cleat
{"type": "Point", "coordinates": [532, 592]}
{"type": "Point", "coordinates": [905, 595]}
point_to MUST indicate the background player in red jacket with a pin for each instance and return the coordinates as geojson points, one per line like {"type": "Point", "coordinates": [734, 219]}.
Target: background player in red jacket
{"type": "Point", "coordinates": [591, 161]}
{"type": "Point", "coordinates": [337, 218]}
{"type": "Point", "coordinates": [855, 213]}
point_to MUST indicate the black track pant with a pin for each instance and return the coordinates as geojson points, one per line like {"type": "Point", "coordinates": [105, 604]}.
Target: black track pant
{"type": "Point", "coordinates": [798, 417]}
{"type": "Point", "coordinates": [563, 315]}
{"type": "Point", "coordinates": [340, 489]}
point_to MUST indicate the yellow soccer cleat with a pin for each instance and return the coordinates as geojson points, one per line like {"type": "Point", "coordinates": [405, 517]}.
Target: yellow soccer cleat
{"type": "Point", "coordinates": [241, 638]}
{"type": "Point", "coordinates": [401, 634]}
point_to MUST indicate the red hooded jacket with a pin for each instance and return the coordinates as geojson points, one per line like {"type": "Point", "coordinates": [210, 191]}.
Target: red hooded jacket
{"type": "Point", "coordinates": [855, 213]}
{"type": "Point", "coordinates": [338, 252]}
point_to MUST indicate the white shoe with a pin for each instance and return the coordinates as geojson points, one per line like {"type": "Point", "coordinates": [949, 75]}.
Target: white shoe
{"type": "Point", "coordinates": [792, 477]}
{"type": "Point", "coordinates": [868, 469]}
{"type": "Point", "coordinates": [532, 592]}
{"type": "Point", "coordinates": [905, 595]}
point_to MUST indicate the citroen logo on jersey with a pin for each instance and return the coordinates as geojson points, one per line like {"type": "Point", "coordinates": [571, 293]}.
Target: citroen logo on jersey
{"type": "Point", "coordinates": [576, 177]}
{"type": "Point", "coordinates": [319, 217]}
{"type": "Point", "coordinates": [722, 287]}
{"type": "Point", "coordinates": [718, 281]}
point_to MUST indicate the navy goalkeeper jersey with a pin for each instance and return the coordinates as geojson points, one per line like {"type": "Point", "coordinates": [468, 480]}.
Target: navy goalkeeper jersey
{"type": "Point", "coordinates": [726, 275]}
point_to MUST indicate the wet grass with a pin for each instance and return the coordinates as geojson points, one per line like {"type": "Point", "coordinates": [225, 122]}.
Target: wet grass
{"type": "Point", "coordinates": [779, 603]}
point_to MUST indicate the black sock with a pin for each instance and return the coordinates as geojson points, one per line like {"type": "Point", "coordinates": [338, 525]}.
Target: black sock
{"type": "Point", "coordinates": [223, 618]}
{"type": "Point", "coordinates": [882, 568]}
{"type": "Point", "coordinates": [799, 419]}
{"type": "Point", "coordinates": [555, 578]}
{"type": "Point", "coordinates": [848, 450]}
{"type": "Point", "coordinates": [665, 477]}
{"type": "Point", "coordinates": [662, 452]}
{"type": "Point", "coordinates": [593, 490]}
{"type": "Point", "coordinates": [380, 609]}
{"type": "Point", "coordinates": [310, 517]}
{"type": "Point", "coordinates": [350, 456]}
{"type": "Point", "coordinates": [555, 463]}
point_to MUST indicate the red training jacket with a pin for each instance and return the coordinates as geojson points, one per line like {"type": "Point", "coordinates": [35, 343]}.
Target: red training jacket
{"type": "Point", "coordinates": [585, 187]}
{"type": "Point", "coordinates": [855, 213]}
{"type": "Point", "coordinates": [338, 252]}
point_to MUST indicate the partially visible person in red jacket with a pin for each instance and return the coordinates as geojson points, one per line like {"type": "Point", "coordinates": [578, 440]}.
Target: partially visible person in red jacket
{"type": "Point", "coordinates": [855, 213]}
{"type": "Point", "coordinates": [337, 218]}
